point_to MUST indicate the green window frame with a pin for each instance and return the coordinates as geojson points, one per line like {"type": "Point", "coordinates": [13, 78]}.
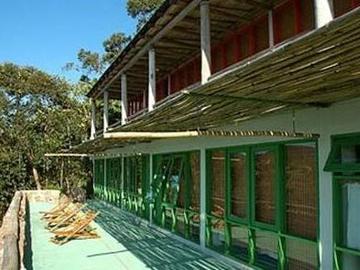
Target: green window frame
{"type": "Point", "coordinates": [136, 185]}
{"type": "Point", "coordinates": [168, 214]}
{"type": "Point", "coordinates": [99, 178]}
{"type": "Point", "coordinates": [343, 174]}
{"type": "Point", "coordinates": [113, 180]}
{"type": "Point", "coordinates": [275, 149]}
{"type": "Point", "coordinates": [337, 142]}
{"type": "Point", "coordinates": [229, 214]}
{"type": "Point", "coordinates": [254, 234]}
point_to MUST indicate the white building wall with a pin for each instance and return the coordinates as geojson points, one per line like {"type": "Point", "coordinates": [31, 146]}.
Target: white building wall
{"type": "Point", "coordinates": [338, 119]}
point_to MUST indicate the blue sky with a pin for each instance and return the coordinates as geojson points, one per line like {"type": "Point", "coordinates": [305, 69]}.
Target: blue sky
{"type": "Point", "coordinates": [48, 33]}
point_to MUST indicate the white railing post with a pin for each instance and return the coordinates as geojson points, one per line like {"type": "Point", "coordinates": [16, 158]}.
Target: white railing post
{"type": "Point", "coordinates": [152, 80]}
{"type": "Point", "coordinates": [205, 42]}
{"type": "Point", "coordinates": [323, 12]}
{"type": "Point", "coordinates": [93, 120]}
{"type": "Point", "coordinates": [124, 103]}
{"type": "Point", "coordinates": [271, 29]}
{"type": "Point", "coordinates": [106, 111]}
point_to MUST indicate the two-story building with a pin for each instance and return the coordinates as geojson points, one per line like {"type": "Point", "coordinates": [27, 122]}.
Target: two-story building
{"type": "Point", "coordinates": [239, 129]}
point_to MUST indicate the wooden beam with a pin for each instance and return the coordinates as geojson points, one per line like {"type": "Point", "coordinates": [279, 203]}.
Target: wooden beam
{"type": "Point", "coordinates": [154, 39]}
{"type": "Point", "coordinates": [264, 5]}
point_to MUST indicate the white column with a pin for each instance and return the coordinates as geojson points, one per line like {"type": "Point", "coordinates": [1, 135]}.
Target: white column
{"type": "Point", "coordinates": [93, 120]}
{"type": "Point", "coordinates": [152, 80]}
{"type": "Point", "coordinates": [151, 175]}
{"type": "Point", "coordinates": [323, 12]}
{"type": "Point", "coordinates": [203, 197]}
{"type": "Point", "coordinates": [271, 28]}
{"type": "Point", "coordinates": [205, 42]}
{"type": "Point", "coordinates": [326, 205]}
{"type": "Point", "coordinates": [124, 103]}
{"type": "Point", "coordinates": [106, 111]}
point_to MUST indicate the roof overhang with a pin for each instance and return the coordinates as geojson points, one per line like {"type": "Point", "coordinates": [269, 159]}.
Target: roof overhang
{"type": "Point", "coordinates": [314, 70]}
{"type": "Point", "coordinates": [112, 140]}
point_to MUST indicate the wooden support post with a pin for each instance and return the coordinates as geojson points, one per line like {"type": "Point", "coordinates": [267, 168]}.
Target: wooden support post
{"type": "Point", "coordinates": [124, 102]}
{"type": "Point", "coordinates": [106, 111]}
{"type": "Point", "coordinates": [271, 29]}
{"type": "Point", "coordinates": [205, 42]}
{"type": "Point", "coordinates": [323, 12]}
{"type": "Point", "coordinates": [152, 80]}
{"type": "Point", "coordinates": [203, 197]}
{"type": "Point", "coordinates": [93, 120]}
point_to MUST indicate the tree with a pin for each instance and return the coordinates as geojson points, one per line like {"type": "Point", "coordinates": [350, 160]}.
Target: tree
{"type": "Point", "coordinates": [92, 64]}
{"type": "Point", "coordinates": [113, 47]}
{"type": "Point", "coordinates": [142, 10]}
{"type": "Point", "coordinates": [39, 113]}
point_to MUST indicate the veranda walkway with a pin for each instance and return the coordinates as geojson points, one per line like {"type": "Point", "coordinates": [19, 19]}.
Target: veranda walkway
{"type": "Point", "coordinates": [125, 243]}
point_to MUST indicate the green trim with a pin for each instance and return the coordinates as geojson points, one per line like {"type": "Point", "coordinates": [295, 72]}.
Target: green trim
{"type": "Point", "coordinates": [136, 202]}
{"type": "Point", "coordinates": [341, 172]}
{"type": "Point", "coordinates": [278, 229]}
{"type": "Point", "coordinates": [165, 195]}
{"type": "Point", "coordinates": [337, 141]}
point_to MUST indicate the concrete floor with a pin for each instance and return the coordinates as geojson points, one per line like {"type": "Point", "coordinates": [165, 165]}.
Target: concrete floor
{"type": "Point", "coordinates": [125, 243]}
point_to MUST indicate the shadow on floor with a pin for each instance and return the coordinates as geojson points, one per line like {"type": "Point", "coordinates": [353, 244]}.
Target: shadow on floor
{"type": "Point", "coordinates": [152, 247]}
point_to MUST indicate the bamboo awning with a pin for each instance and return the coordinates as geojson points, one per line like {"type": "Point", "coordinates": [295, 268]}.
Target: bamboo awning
{"type": "Point", "coordinates": [314, 70]}
{"type": "Point", "coordinates": [113, 140]}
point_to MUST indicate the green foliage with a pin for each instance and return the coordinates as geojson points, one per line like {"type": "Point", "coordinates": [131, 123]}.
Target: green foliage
{"type": "Point", "coordinates": [142, 9]}
{"type": "Point", "coordinates": [113, 46]}
{"type": "Point", "coordinates": [39, 113]}
{"type": "Point", "coordinates": [92, 64]}
{"type": "Point", "coordinates": [90, 61]}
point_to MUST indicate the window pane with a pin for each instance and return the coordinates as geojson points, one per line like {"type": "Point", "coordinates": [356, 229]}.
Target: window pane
{"type": "Point", "coordinates": [195, 181]}
{"type": "Point", "coordinates": [350, 217]}
{"type": "Point", "coordinates": [265, 174]}
{"type": "Point", "coordinates": [300, 189]}
{"type": "Point", "coordinates": [350, 154]}
{"type": "Point", "coordinates": [218, 183]}
{"type": "Point", "coordinates": [194, 221]}
{"type": "Point", "coordinates": [217, 234]}
{"type": "Point", "coordinates": [238, 184]}
{"type": "Point", "coordinates": [239, 242]}
{"type": "Point", "coordinates": [266, 250]}
{"type": "Point", "coordinates": [349, 261]}
{"type": "Point", "coordinates": [301, 255]}
{"type": "Point", "coordinates": [173, 181]}
{"type": "Point", "coordinates": [138, 174]}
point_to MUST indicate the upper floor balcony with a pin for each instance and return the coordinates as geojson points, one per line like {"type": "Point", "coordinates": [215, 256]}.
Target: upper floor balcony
{"type": "Point", "coordinates": [187, 43]}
